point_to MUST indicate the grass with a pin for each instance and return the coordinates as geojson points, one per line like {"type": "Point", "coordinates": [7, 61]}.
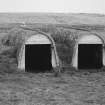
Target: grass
{"type": "Point", "coordinates": [64, 39]}
{"type": "Point", "coordinates": [71, 87]}
{"type": "Point", "coordinates": [44, 89]}
{"type": "Point", "coordinates": [53, 18]}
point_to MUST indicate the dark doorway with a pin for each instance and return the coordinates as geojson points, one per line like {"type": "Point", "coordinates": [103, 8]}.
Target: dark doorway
{"type": "Point", "coordinates": [38, 57]}
{"type": "Point", "coordinates": [90, 56]}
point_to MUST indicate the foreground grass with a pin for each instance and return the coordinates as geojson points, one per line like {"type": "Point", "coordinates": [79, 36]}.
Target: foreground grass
{"type": "Point", "coordinates": [21, 88]}
{"type": "Point", "coordinates": [69, 88]}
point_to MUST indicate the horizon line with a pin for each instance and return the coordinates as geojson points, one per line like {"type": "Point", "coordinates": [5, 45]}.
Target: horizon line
{"type": "Point", "coordinates": [53, 12]}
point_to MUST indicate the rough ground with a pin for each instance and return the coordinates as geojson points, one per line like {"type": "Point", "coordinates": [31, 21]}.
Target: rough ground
{"type": "Point", "coordinates": [53, 18]}
{"type": "Point", "coordinates": [78, 88]}
{"type": "Point", "coordinates": [44, 89]}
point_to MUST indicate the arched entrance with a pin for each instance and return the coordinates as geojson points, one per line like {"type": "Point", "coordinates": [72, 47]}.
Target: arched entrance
{"type": "Point", "coordinates": [88, 52]}
{"type": "Point", "coordinates": [38, 54]}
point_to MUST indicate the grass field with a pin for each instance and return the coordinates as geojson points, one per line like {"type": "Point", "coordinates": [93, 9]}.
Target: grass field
{"type": "Point", "coordinates": [70, 87]}
{"type": "Point", "coordinates": [46, 89]}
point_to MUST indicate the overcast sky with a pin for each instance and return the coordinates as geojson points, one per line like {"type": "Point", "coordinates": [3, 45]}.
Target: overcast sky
{"type": "Point", "coordinates": [74, 6]}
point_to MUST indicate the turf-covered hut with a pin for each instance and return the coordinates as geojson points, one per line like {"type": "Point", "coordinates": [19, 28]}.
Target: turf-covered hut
{"type": "Point", "coordinates": [89, 52]}
{"type": "Point", "coordinates": [38, 53]}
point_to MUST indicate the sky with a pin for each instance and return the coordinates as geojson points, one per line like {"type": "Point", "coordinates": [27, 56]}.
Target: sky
{"type": "Point", "coordinates": [59, 6]}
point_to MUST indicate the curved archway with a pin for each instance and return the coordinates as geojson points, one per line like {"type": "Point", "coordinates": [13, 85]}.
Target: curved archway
{"type": "Point", "coordinates": [41, 43]}
{"type": "Point", "coordinates": [88, 52]}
